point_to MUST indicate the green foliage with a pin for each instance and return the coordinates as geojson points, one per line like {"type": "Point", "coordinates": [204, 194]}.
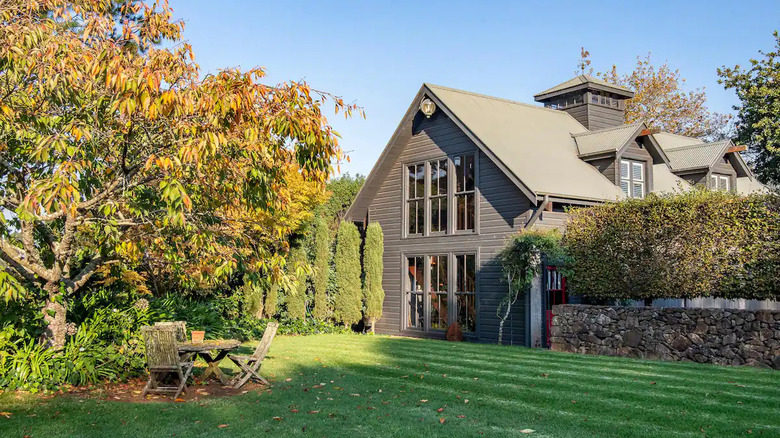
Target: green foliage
{"type": "Point", "coordinates": [697, 244]}
{"type": "Point", "coordinates": [105, 343]}
{"type": "Point", "coordinates": [295, 297]}
{"type": "Point", "coordinates": [758, 127]}
{"type": "Point", "coordinates": [521, 260]}
{"type": "Point", "coordinates": [347, 302]}
{"type": "Point", "coordinates": [373, 294]}
{"type": "Point", "coordinates": [322, 258]}
{"type": "Point", "coordinates": [343, 191]}
{"type": "Point", "coordinates": [271, 301]}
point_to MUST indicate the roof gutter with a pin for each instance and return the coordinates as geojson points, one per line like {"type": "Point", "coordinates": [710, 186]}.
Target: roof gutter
{"type": "Point", "coordinates": [538, 212]}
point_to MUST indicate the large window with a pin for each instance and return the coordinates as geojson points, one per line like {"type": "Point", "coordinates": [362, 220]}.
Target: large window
{"type": "Point", "coordinates": [441, 193]}
{"type": "Point", "coordinates": [450, 293]}
{"type": "Point", "coordinates": [415, 272]}
{"type": "Point", "coordinates": [438, 292]}
{"type": "Point", "coordinates": [719, 182]}
{"type": "Point", "coordinates": [415, 200]}
{"type": "Point", "coordinates": [465, 292]}
{"type": "Point", "coordinates": [464, 192]}
{"type": "Point", "coordinates": [438, 196]}
{"type": "Point", "coordinates": [632, 178]}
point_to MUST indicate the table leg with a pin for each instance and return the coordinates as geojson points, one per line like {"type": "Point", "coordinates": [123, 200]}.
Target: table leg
{"type": "Point", "coordinates": [213, 367]}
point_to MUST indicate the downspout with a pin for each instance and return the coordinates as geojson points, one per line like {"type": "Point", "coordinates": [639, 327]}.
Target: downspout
{"type": "Point", "coordinates": [538, 212]}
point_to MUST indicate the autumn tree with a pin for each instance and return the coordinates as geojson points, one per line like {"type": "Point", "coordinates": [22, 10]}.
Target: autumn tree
{"type": "Point", "coordinates": [347, 303]}
{"type": "Point", "coordinates": [662, 103]}
{"type": "Point", "coordinates": [758, 113]}
{"type": "Point", "coordinates": [113, 148]}
{"type": "Point", "coordinates": [321, 268]}
{"type": "Point", "coordinates": [373, 294]}
{"type": "Point", "coordinates": [295, 297]}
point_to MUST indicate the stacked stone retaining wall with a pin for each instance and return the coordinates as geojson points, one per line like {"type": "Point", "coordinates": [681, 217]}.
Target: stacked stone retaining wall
{"type": "Point", "coordinates": [718, 336]}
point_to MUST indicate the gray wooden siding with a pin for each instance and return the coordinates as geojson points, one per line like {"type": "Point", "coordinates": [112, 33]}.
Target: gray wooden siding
{"type": "Point", "coordinates": [696, 178]}
{"type": "Point", "coordinates": [607, 167]}
{"type": "Point", "coordinates": [600, 117]}
{"type": "Point", "coordinates": [579, 112]}
{"type": "Point", "coordinates": [501, 209]}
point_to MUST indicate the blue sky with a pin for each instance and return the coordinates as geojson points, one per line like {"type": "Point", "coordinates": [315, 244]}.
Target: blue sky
{"type": "Point", "coordinates": [379, 53]}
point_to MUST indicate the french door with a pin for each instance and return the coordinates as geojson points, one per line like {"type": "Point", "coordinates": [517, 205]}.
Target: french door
{"type": "Point", "coordinates": [440, 289]}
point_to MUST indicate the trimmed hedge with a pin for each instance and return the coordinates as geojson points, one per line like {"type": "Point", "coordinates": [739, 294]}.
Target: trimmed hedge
{"type": "Point", "coordinates": [697, 244]}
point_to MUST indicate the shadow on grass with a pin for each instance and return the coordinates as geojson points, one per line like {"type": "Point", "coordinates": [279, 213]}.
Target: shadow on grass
{"type": "Point", "coordinates": [340, 385]}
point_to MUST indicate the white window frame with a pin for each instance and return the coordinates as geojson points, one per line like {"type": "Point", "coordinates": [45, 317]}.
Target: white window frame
{"type": "Point", "coordinates": [632, 180]}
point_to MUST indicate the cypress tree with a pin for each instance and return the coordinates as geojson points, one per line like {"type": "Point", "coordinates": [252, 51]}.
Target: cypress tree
{"type": "Point", "coordinates": [321, 266]}
{"type": "Point", "coordinates": [347, 303]}
{"type": "Point", "coordinates": [295, 299]}
{"type": "Point", "coordinates": [373, 294]}
{"type": "Point", "coordinates": [271, 299]}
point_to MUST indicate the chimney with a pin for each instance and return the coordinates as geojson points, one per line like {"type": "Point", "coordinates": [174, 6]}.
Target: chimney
{"type": "Point", "coordinates": [594, 103]}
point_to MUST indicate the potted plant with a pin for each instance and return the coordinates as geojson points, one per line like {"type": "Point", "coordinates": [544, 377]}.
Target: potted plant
{"type": "Point", "coordinates": [197, 336]}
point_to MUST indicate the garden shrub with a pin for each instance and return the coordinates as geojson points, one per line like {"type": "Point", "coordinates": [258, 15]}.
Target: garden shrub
{"type": "Point", "coordinates": [697, 244]}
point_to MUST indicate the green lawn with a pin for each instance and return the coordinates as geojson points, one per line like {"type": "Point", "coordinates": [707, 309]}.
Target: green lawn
{"type": "Point", "coordinates": [376, 386]}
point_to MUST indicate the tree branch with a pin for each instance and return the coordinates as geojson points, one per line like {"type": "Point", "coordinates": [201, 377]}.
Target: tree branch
{"type": "Point", "coordinates": [14, 257]}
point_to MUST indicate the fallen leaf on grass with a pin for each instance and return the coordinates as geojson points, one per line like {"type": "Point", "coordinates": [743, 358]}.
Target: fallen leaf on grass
{"type": "Point", "coordinates": [461, 416]}
{"type": "Point", "coordinates": [527, 431]}
{"type": "Point", "coordinates": [6, 414]}
{"type": "Point", "coordinates": [466, 401]}
{"type": "Point", "coordinates": [440, 410]}
{"type": "Point", "coordinates": [354, 395]}
{"type": "Point", "coordinates": [545, 375]}
{"type": "Point", "coordinates": [423, 401]}
{"type": "Point", "coordinates": [294, 411]}
{"type": "Point", "coordinates": [314, 412]}
{"type": "Point", "coordinates": [574, 401]}
{"type": "Point", "coordinates": [222, 426]}
{"type": "Point", "coordinates": [278, 418]}
{"type": "Point", "coordinates": [442, 420]}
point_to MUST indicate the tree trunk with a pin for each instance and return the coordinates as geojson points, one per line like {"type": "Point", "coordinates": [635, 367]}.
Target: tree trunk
{"type": "Point", "coordinates": [54, 317]}
{"type": "Point", "coordinates": [373, 324]}
{"type": "Point", "coordinates": [501, 323]}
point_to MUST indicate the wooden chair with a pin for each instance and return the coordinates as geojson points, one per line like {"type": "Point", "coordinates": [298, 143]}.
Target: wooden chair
{"type": "Point", "coordinates": [180, 326]}
{"type": "Point", "coordinates": [250, 365]}
{"type": "Point", "coordinates": [162, 356]}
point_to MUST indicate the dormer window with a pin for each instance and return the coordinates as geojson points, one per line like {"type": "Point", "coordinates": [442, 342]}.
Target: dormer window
{"type": "Point", "coordinates": [632, 178]}
{"type": "Point", "coordinates": [719, 182]}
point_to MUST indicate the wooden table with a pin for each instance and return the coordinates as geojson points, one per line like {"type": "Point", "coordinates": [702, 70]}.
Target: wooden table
{"type": "Point", "coordinates": [212, 352]}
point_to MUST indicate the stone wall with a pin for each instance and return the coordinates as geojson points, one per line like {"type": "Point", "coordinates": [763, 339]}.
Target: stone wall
{"type": "Point", "coordinates": [718, 336]}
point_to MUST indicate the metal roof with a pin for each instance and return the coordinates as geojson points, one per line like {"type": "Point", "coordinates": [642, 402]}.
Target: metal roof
{"type": "Point", "coordinates": [696, 156]}
{"type": "Point", "coordinates": [583, 80]}
{"type": "Point", "coordinates": [664, 181]}
{"type": "Point", "coordinates": [605, 140]}
{"type": "Point", "coordinates": [534, 143]}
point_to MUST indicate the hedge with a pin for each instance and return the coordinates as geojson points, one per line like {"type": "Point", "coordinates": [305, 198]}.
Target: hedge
{"type": "Point", "coordinates": [698, 244]}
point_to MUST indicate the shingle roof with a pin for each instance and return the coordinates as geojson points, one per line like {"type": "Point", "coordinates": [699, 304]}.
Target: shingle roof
{"type": "Point", "coordinates": [534, 143]}
{"type": "Point", "coordinates": [580, 80]}
{"type": "Point", "coordinates": [605, 140]}
{"type": "Point", "coordinates": [696, 155]}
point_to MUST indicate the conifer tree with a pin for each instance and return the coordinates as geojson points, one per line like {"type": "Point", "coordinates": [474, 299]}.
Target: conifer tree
{"type": "Point", "coordinates": [295, 298]}
{"type": "Point", "coordinates": [321, 267]}
{"type": "Point", "coordinates": [373, 294]}
{"type": "Point", "coordinates": [347, 303]}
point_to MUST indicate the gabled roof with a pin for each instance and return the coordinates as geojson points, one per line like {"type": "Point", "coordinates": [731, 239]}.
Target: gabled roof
{"type": "Point", "coordinates": [606, 140]}
{"type": "Point", "coordinates": [696, 156]}
{"type": "Point", "coordinates": [583, 81]}
{"type": "Point", "coordinates": [531, 142]}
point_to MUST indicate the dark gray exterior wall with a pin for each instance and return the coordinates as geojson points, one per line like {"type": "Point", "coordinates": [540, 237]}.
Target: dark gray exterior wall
{"type": "Point", "coordinates": [724, 167]}
{"type": "Point", "coordinates": [601, 116]}
{"type": "Point", "coordinates": [502, 210]}
{"type": "Point", "coordinates": [638, 153]}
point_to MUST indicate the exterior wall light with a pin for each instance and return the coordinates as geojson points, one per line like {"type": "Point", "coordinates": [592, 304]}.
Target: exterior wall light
{"type": "Point", "coordinates": [427, 107]}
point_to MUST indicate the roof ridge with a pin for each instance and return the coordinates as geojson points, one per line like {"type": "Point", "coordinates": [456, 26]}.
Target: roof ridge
{"type": "Point", "coordinates": [696, 145]}
{"type": "Point", "coordinates": [500, 99]}
{"type": "Point", "coordinates": [614, 128]}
